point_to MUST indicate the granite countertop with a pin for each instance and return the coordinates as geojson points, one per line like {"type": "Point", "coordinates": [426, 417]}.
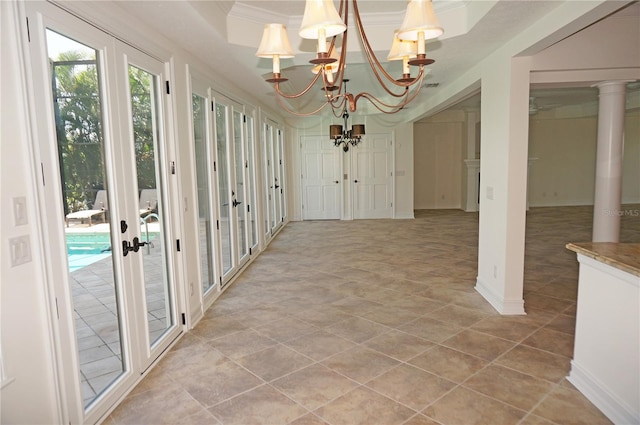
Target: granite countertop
{"type": "Point", "coordinates": [623, 256]}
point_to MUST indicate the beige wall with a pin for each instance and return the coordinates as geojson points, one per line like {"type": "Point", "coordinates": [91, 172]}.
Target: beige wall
{"type": "Point", "coordinates": [563, 174]}
{"type": "Point", "coordinates": [438, 161]}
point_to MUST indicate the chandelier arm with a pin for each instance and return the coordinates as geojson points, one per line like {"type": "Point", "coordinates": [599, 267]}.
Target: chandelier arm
{"type": "Point", "coordinates": [300, 114]}
{"type": "Point", "coordinates": [379, 105]}
{"type": "Point", "coordinates": [297, 95]}
{"type": "Point", "coordinates": [374, 63]}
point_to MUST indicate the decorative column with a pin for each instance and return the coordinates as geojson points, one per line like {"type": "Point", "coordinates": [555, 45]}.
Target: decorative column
{"type": "Point", "coordinates": [608, 185]}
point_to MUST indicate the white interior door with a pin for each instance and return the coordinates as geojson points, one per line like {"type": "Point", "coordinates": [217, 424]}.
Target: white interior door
{"type": "Point", "coordinates": [101, 133]}
{"type": "Point", "coordinates": [372, 177]}
{"type": "Point", "coordinates": [321, 172]}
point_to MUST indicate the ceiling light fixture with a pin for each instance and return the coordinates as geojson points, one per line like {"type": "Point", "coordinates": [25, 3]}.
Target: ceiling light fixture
{"type": "Point", "coordinates": [320, 21]}
{"type": "Point", "coordinates": [342, 136]}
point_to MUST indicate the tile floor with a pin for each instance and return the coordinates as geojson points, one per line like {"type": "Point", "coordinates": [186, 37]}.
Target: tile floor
{"type": "Point", "coordinates": [377, 322]}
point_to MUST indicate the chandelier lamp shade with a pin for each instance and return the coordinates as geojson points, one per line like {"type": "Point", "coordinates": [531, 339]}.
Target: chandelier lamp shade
{"type": "Point", "coordinates": [341, 136]}
{"type": "Point", "coordinates": [323, 22]}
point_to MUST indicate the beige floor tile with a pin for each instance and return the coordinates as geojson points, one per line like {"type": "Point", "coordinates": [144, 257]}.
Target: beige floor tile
{"type": "Point", "coordinates": [309, 419]}
{"type": "Point", "coordinates": [193, 360]}
{"type": "Point", "coordinates": [463, 406]}
{"type": "Point", "coordinates": [478, 344]}
{"type": "Point", "coordinates": [314, 386]}
{"type": "Point", "coordinates": [203, 417]}
{"type": "Point", "coordinates": [241, 343]}
{"type": "Point", "coordinates": [286, 329]}
{"type": "Point", "coordinates": [316, 275]}
{"type": "Point", "coordinates": [430, 329]}
{"type": "Point", "coordinates": [225, 381]}
{"type": "Point", "coordinates": [507, 385]}
{"type": "Point", "coordinates": [567, 406]}
{"type": "Point", "coordinates": [274, 362]}
{"type": "Point", "coordinates": [320, 345]}
{"type": "Point", "coordinates": [553, 341]}
{"type": "Point", "coordinates": [364, 407]}
{"type": "Point", "coordinates": [399, 345]}
{"type": "Point", "coordinates": [457, 315]}
{"type": "Point", "coordinates": [411, 386]}
{"type": "Point", "coordinates": [163, 405]}
{"type": "Point", "coordinates": [360, 364]}
{"type": "Point", "coordinates": [538, 363]}
{"type": "Point", "coordinates": [357, 329]}
{"type": "Point", "coordinates": [514, 328]}
{"type": "Point", "coordinates": [563, 323]}
{"type": "Point", "coordinates": [421, 420]}
{"type": "Point", "coordinates": [390, 316]}
{"type": "Point", "coordinates": [447, 363]}
{"type": "Point", "coordinates": [263, 405]}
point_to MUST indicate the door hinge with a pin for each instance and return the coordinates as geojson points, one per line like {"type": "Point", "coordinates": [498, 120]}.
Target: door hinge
{"type": "Point", "coordinates": [220, 280]}
{"type": "Point", "coordinates": [248, 208]}
{"type": "Point", "coordinates": [218, 224]}
{"type": "Point", "coordinates": [244, 118]}
{"type": "Point", "coordinates": [212, 106]}
{"type": "Point", "coordinates": [168, 87]}
{"type": "Point", "coordinates": [42, 171]}
{"type": "Point", "coordinates": [184, 319]}
{"type": "Point", "coordinates": [246, 164]}
{"type": "Point", "coordinates": [28, 32]}
{"type": "Point", "coordinates": [173, 167]}
{"type": "Point", "coordinates": [250, 252]}
{"type": "Point", "coordinates": [214, 167]}
{"type": "Point", "coordinates": [178, 245]}
{"type": "Point", "coordinates": [57, 310]}
{"type": "Point", "coordinates": [280, 162]}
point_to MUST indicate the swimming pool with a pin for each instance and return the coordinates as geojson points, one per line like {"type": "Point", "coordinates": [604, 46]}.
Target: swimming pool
{"type": "Point", "coordinates": [85, 249]}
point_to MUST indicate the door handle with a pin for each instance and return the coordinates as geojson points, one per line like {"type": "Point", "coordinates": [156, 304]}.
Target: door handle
{"type": "Point", "coordinates": [236, 203]}
{"type": "Point", "coordinates": [355, 181]}
{"type": "Point", "coordinates": [127, 247]}
{"type": "Point", "coordinates": [336, 182]}
{"type": "Point", "coordinates": [276, 186]}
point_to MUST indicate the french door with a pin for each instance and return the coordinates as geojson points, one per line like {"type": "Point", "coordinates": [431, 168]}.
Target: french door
{"type": "Point", "coordinates": [235, 184]}
{"type": "Point", "coordinates": [100, 108]}
{"type": "Point", "coordinates": [274, 177]}
{"type": "Point", "coordinates": [321, 177]}
{"type": "Point", "coordinates": [372, 179]}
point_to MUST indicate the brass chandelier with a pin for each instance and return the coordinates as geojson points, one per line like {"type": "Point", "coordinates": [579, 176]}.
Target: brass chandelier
{"type": "Point", "coordinates": [320, 21]}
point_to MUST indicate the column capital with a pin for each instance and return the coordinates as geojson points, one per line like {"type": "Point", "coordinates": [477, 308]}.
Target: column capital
{"type": "Point", "coordinates": [612, 84]}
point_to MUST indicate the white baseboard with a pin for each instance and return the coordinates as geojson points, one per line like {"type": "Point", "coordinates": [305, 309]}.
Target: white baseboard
{"type": "Point", "coordinates": [405, 216]}
{"type": "Point", "coordinates": [611, 405]}
{"type": "Point", "coordinates": [505, 307]}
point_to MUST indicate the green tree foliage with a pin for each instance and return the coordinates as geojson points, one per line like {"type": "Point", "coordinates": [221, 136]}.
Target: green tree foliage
{"type": "Point", "coordinates": [79, 126]}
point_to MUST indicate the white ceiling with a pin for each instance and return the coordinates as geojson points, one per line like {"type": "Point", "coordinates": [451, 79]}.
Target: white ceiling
{"type": "Point", "coordinates": [225, 35]}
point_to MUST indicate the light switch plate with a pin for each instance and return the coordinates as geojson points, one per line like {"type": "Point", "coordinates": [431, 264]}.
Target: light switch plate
{"type": "Point", "coordinates": [20, 211]}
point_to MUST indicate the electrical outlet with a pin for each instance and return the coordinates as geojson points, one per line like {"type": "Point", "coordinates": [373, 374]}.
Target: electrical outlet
{"type": "Point", "coordinates": [20, 249]}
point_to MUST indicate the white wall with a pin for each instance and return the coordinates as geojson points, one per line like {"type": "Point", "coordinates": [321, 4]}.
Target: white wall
{"type": "Point", "coordinates": [27, 350]}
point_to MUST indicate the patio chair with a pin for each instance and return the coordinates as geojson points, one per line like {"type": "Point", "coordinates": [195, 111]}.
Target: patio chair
{"type": "Point", "coordinates": [148, 202]}
{"type": "Point", "coordinates": [98, 209]}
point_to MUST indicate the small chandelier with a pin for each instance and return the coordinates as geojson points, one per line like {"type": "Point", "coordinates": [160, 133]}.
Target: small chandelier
{"type": "Point", "coordinates": [320, 21]}
{"type": "Point", "coordinates": [342, 136]}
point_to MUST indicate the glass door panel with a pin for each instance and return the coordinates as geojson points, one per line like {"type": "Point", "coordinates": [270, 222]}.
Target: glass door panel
{"type": "Point", "coordinates": [205, 227]}
{"type": "Point", "coordinates": [143, 91]}
{"type": "Point", "coordinates": [223, 188]}
{"type": "Point", "coordinates": [251, 192]}
{"type": "Point", "coordinates": [239, 203]}
{"type": "Point", "coordinates": [78, 106]}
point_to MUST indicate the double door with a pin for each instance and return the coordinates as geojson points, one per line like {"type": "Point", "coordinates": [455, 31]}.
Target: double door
{"type": "Point", "coordinates": [363, 177]}
{"type": "Point", "coordinates": [235, 184]}
{"type": "Point", "coordinates": [106, 170]}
